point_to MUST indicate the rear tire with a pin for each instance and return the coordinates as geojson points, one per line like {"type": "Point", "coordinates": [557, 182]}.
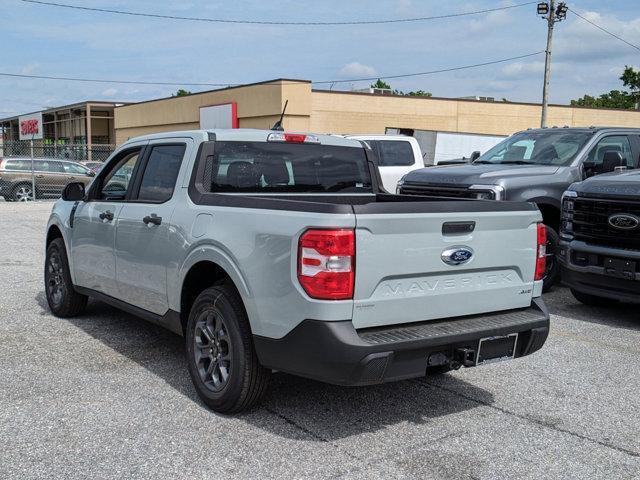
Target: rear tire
{"type": "Point", "coordinates": [552, 274]}
{"type": "Point", "coordinates": [62, 298]}
{"type": "Point", "coordinates": [592, 300]}
{"type": "Point", "coordinates": [222, 360]}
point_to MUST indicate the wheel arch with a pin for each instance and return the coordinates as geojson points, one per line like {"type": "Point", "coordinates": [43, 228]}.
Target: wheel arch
{"type": "Point", "coordinates": [550, 211]}
{"type": "Point", "coordinates": [205, 268]}
{"type": "Point", "coordinates": [53, 232]}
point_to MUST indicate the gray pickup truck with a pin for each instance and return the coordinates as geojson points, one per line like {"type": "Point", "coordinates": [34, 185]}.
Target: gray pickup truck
{"type": "Point", "coordinates": [279, 251]}
{"type": "Point", "coordinates": [535, 165]}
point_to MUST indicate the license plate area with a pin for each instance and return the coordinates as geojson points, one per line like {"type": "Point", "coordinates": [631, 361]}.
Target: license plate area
{"type": "Point", "coordinates": [620, 268]}
{"type": "Point", "coordinates": [496, 349]}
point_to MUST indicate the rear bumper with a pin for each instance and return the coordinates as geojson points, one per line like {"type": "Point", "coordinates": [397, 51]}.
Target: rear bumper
{"type": "Point", "coordinates": [588, 276]}
{"type": "Point", "coordinates": [335, 352]}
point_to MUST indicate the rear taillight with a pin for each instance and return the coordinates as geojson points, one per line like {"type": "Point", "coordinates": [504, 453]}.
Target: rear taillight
{"type": "Point", "coordinates": [326, 263]}
{"type": "Point", "coordinates": [541, 252]}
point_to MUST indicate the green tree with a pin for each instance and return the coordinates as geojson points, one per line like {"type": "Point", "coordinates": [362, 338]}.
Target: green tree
{"type": "Point", "coordinates": [418, 93]}
{"type": "Point", "coordinates": [381, 84]}
{"type": "Point", "coordinates": [181, 93]}
{"type": "Point", "coordinates": [395, 91]}
{"type": "Point", "coordinates": [614, 99]}
{"type": "Point", "coordinates": [619, 99]}
{"type": "Point", "coordinates": [631, 79]}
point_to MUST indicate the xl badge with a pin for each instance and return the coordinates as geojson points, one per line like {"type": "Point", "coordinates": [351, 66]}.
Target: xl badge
{"type": "Point", "coordinates": [624, 221]}
{"type": "Point", "coordinates": [457, 255]}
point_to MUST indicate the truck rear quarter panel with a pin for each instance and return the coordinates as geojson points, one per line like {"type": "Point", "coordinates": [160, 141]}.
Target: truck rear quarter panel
{"type": "Point", "coordinates": [258, 249]}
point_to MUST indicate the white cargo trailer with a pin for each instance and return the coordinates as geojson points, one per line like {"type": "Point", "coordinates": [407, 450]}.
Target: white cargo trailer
{"type": "Point", "coordinates": [438, 147]}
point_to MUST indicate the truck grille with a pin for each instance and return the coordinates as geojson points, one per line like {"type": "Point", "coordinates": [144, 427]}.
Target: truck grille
{"type": "Point", "coordinates": [591, 222]}
{"type": "Point", "coordinates": [441, 191]}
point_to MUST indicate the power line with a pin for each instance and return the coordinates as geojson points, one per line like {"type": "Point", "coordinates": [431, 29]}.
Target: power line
{"type": "Point", "coordinates": [268, 22]}
{"type": "Point", "coordinates": [604, 30]}
{"type": "Point", "coordinates": [99, 80]}
{"type": "Point", "coordinates": [451, 69]}
{"type": "Point", "coordinates": [191, 84]}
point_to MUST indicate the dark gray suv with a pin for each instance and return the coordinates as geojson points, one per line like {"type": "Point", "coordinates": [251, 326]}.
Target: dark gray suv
{"type": "Point", "coordinates": [535, 165]}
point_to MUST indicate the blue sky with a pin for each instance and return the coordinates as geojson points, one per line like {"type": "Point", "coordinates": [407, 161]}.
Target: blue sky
{"type": "Point", "coordinates": [53, 41]}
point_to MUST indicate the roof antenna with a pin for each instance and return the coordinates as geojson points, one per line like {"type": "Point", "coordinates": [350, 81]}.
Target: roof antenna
{"type": "Point", "coordinates": [278, 125]}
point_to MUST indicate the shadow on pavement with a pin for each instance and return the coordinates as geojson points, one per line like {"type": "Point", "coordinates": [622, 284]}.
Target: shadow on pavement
{"type": "Point", "coordinates": [561, 302]}
{"type": "Point", "coordinates": [303, 409]}
{"type": "Point", "coordinates": [325, 413]}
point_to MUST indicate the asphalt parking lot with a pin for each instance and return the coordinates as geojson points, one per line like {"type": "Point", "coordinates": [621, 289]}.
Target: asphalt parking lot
{"type": "Point", "coordinates": [108, 396]}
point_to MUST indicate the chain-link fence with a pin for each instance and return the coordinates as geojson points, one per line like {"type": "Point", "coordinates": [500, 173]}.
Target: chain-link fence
{"type": "Point", "coordinates": [42, 171]}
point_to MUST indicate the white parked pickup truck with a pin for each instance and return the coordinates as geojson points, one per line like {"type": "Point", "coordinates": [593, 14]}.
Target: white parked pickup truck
{"type": "Point", "coordinates": [397, 156]}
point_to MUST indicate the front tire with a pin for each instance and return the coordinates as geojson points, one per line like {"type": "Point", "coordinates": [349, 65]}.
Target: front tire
{"type": "Point", "coordinates": [62, 298]}
{"type": "Point", "coordinates": [222, 360]}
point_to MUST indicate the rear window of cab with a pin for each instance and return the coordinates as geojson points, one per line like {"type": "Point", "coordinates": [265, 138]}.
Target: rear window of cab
{"type": "Point", "coordinates": [264, 167]}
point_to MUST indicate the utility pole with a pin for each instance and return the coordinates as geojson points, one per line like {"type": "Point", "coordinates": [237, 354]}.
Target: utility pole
{"type": "Point", "coordinates": [551, 14]}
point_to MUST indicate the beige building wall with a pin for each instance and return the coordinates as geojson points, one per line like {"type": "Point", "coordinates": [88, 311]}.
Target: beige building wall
{"type": "Point", "coordinates": [346, 112]}
{"type": "Point", "coordinates": [259, 106]}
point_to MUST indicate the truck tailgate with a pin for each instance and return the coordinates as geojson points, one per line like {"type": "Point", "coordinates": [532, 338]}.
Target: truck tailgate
{"type": "Point", "coordinates": [401, 276]}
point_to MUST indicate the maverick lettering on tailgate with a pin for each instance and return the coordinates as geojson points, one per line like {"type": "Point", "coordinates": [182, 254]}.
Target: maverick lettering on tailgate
{"type": "Point", "coordinates": [424, 287]}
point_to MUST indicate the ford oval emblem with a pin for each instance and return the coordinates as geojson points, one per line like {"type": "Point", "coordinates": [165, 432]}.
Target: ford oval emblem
{"type": "Point", "coordinates": [624, 221]}
{"type": "Point", "coordinates": [457, 255]}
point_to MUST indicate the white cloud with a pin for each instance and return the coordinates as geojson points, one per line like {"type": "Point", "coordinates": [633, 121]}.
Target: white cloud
{"type": "Point", "coordinates": [523, 69]}
{"type": "Point", "coordinates": [356, 69]}
{"type": "Point", "coordinates": [489, 22]}
{"type": "Point", "coordinates": [109, 92]}
{"type": "Point", "coordinates": [29, 69]}
{"type": "Point", "coordinates": [580, 40]}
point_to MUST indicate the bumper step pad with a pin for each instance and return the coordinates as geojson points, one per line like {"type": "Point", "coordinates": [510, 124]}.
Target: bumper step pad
{"type": "Point", "coordinates": [460, 326]}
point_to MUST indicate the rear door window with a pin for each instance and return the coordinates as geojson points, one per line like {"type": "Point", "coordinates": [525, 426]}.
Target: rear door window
{"type": "Point", "coordinates": [614, 143]}
{"type": "Point", "coordinates": [49, 166]}
{"type": "Point", "coordinates": [18, 165]}
{"type": "Point", "coordinates": [160, 173]}
{"type": "Point", "coordinates": [393, 153]}
{"type": "Point", "coordinates": [263, 167]}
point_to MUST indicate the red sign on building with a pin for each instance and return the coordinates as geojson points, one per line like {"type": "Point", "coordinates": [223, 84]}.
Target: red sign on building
{"type": "Point", "coordinates": [30, 126]}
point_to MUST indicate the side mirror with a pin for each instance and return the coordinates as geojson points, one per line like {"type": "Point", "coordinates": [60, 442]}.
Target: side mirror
{"type": "Point", "coordinates": [91, 173]}
{"type": "Point", "coordinates": [73, 192]}
{"type": "Point", "coordinates": [611, 160]}
{"type": "Point", "coordinates": [474, 156]}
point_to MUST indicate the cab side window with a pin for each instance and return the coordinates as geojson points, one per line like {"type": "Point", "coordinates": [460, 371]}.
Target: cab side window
{"type": "Point", "coordinates": [160, 173]}
{"type": "Point", "coordinates": [117, 176]}
{"type": "Point", "coordinates": [614, 143]}
{"type": "Point", "coordinates": [393, 153]}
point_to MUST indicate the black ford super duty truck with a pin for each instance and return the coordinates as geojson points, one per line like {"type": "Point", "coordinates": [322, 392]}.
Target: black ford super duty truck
{"type": "Point", "coordinates": [599, 249]}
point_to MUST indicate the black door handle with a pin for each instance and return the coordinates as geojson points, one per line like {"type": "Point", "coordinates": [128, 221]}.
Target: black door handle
{"type": "Point", "coordinates": [153, 218]}
{"type": "Point", "coordinates": [106, 216]}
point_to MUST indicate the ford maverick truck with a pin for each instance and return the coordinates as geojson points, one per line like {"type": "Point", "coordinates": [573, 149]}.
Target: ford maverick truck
{"type": "Point", "coordinates": [280, 251]}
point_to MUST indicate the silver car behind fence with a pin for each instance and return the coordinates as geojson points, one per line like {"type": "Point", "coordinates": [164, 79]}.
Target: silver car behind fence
{"type": "Point", "coordinates": [43, 171]}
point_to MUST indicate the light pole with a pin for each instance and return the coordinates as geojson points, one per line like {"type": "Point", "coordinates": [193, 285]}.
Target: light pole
{"type": "Point", "coordinates": [552, 14]}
